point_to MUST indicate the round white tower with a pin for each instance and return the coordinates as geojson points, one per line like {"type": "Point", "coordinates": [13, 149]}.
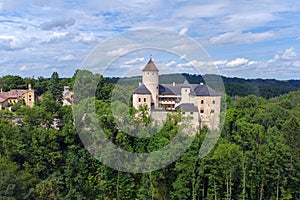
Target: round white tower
{"type": "Point", "coordinates": [150, 80]}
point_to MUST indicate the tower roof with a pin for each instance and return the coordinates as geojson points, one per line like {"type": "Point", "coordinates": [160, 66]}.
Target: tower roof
{"type": "Point", "coordinates": [150, 66]}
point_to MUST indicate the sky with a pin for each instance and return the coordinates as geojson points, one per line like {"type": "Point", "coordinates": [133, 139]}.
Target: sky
{"type": "Point", "coordinates": [243, 38]}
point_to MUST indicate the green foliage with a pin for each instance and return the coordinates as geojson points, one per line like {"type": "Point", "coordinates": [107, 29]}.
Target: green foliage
{"type": "Point", "coordinates": [55, 87]}
{"type": "Point", "coordinates": [257, 157]}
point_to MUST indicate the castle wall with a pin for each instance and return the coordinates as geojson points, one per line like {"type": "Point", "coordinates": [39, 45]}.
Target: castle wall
{"type": "Point", "coordinates": [209, 109]}
{"type": "Point", "coordinates": [141, 99]}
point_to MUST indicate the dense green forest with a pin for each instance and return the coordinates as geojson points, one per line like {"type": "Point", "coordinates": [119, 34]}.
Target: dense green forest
{"type": "Point", "coordinates": [266, 88]}
{"type": "Point", "coordinates": [257, 156]}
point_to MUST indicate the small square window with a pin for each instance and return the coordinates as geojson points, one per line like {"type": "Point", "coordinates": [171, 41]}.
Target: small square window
{"type": "Point", "coordinates": [212, 111]}
{"type": "Point", "coordinates": [144, 99]}
{"type": "Point", "coordinates": [213, 101]}
{"type": "Point", "coordinates": [192, 113]}
{"type": "Point", "coordinates": [202, 111]}
{"type": "Point", "coordinates": [139, 99]}
{"type": "Point", "coordinates": [202, 101]}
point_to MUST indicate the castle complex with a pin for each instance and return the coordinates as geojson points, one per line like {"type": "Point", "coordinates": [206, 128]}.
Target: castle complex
{"type": "Point", "coordinates": [198, 102]}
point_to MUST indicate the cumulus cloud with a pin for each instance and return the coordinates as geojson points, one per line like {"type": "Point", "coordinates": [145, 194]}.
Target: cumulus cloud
{"type": "Point", "coordinates": [238, 37]}
{"type": "Point", "coordinates": [88, 38]}
{"type": "Point", "coordinates": [289, 54]}
{"type": "Point", "coordinates": [66, 58]}
{"type": "Point", "coordinates": [283, 65]}
{"type": "Point", "coordinates": [237, 62]}
{"type": "Point", "coordinates": [23, 68]}
{"type": "Point", "coordinates": [57, 24]}
{"type": "Point", "coordinates": [183, 31]}
{"type": "Point", "coordinates": [117, 52]}
{"type": "Point", "coordinates": [12, 42]}
{"type": "Point", "coordinates": [134, 61]}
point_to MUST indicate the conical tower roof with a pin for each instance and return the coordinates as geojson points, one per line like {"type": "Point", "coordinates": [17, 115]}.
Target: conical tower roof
{"type": "Point", "coordinates": [150, 66]}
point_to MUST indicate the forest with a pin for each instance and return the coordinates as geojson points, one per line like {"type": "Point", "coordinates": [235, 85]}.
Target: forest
{"type": "Point", "coordinates": [266, 88]}
{"type": "Point", "coordinates": [256, 157]}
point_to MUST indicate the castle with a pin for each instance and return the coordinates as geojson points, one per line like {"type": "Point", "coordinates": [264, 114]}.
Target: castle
{"type": "Point", "coordinates": [198, 102]}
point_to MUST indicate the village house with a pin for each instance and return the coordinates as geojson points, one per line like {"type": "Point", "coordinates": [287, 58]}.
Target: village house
{"type": "Point", "coordinates": [198, 102]}
{"type": "Point", "coordinates": [67, 96]}
{"type": "Point", "coordinates": [15, 95]}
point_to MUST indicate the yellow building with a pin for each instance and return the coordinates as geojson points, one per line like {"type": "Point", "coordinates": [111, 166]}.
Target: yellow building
{"type": "Point", "coordinates": [14, 95]}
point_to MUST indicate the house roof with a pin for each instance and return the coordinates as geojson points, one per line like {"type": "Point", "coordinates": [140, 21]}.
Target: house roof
{"type": "Point", "coordinates": [142, 90]}
{"type": "Point", "coordinates": [2, 99]}
{"type": "Point", "coordinates": [150, 66]}
{"type": "Point", "coordinates": [187, 107]}
{"type": "Point", "coordinates": [14, 93]}
{"type": "Point", "coordinates": [196, 89]}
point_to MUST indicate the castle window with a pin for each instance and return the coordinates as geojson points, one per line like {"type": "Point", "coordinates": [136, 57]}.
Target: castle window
{"type": "Point", "coordinates": [29, 99]}
{"type": "Point", "coordinates": [139, 99]}
{"type": "Point", "coordinates": [212, 111]}
{"type": "Point", "coordinates": [144, 99]}
{"type": "Point", "coordinates": [183, 112]}
{"type": "Point", "coordinates": [192, 113]}
{"type": "Point", "coordinates": [185, 90]}
{"type": "Point", "coordinates": [202, 101]}
{"type": "Point", "coordinates": [201, 111]}
{"type": "Point", "coordinates": [213, 101]}
{"type": "Point", "coordinates": [29, 95]}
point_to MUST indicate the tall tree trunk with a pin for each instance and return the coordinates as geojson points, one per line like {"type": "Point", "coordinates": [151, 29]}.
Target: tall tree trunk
{"type": "Point", "coordinates": [230, 185]}
{"type": "Point", "coordinates": [215, 189]}
{"type": "Point", "coordinates": [261, 191]}
{"type": "Point", "coordinates": [227, 187]}
{"type": "Point", "coordinates": [244, 179]}
{"type": "Point", "coordinates": [152, 192]}
{"type": "Point", "coordinates": [118, 177]}
{"type": "Point", "coordinates": [277, 187]}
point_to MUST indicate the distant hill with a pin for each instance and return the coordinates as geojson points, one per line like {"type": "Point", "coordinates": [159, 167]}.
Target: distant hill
{"type": "Point", "coordinates": [266, 88]}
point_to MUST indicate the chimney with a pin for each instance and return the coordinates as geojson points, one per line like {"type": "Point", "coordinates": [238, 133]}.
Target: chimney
{"type": "Point", "coordinates": [29, 86]}
{"type": "Point", "coordinates": [173, 83]}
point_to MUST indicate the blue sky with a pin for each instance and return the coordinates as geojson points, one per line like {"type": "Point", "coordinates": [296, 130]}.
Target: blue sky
{"type": "Point", "coordinates": [249, 39]}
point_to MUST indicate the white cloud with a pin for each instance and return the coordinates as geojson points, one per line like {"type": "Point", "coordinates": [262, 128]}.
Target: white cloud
{"type": "Point", "coordinates": [171, 63]}
{"type": "Point", "coordinates": [117, 52]}
{"type": "Point", "coordinates": [183, 31]}
{"type": "Point", "coordinates": [289, 54]}
{"type": "Point", "coordinates": [182, 57]}
{"type": "Point", "coordinates": [66, 58]}
{"type": "Point", "coordinates": [135, 61]}
{"type": "Point", "coordinates": [23, 68]}
{"type": "Point", "coordinates": [237, 62]}
{"type": "Point", "coordinates": [238, 37]}
{"type": "Point", "coordinates": [57, 24]}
